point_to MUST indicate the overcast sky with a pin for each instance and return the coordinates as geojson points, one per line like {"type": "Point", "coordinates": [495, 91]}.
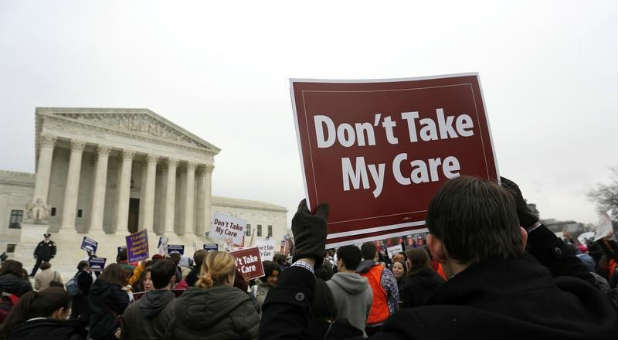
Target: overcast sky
{"type": "Point", "coordinates": [548, 72]}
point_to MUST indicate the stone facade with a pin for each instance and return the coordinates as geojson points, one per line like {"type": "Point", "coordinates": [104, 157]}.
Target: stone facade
{"type": "Point", "coordinates": [107, 172]}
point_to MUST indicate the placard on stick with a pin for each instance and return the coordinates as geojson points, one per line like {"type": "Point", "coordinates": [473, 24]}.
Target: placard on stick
{"type": "Point", "coordinates": [249, 262]}
{"type": "Point", "coordinates": [137, 246]}
{"type": "Point", "coordinates": [228, 229]}
{"type": "Point", "coordinates": [377, 151]}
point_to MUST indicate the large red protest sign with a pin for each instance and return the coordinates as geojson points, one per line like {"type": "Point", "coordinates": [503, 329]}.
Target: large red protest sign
{"type": "Point", "coordinates": [377, 151]}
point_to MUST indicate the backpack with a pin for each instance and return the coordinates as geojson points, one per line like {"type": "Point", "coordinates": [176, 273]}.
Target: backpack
{"type": "Point", "coordinates": [72, 287]}
{"type": "Point", "coordinates": [7, 301]}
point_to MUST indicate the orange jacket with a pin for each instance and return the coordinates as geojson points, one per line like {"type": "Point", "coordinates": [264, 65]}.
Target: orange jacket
{"type": "Point", "coordinates": [379, 308]}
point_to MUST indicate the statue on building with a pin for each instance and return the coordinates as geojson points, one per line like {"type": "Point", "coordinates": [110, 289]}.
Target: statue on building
{"type": "Point", "coordinates": [37, 211]}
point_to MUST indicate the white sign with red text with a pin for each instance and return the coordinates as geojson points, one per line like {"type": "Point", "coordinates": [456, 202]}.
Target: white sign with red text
{"type": "Point", "coordinates": [228, 229]}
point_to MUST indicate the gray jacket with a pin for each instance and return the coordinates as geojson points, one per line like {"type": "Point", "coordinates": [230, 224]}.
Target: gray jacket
{"type": "Point", "coordinates": [142, 318]}
{"type": "Point", "coordinates": [353, 297]}
{"type": "Point", "coordinates": [221, 312]}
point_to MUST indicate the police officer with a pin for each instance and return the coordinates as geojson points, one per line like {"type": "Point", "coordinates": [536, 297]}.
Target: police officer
{"type": "Point", "coordinates": [44, 251]}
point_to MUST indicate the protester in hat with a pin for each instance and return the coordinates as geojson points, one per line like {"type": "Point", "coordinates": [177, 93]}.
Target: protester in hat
{"type": "Point", "coordinates": [264, 284]}
{"type": "Point", "coordinates": [351, 292]}
{"type": "Point", "coordinates": [42, 315]}
{"type": "Point", "coordinates": [214, 308]}
{"type": "Point", "coordinates": [495, 289]}
{"type": "Point", "coordinates": [80, 309]}
{"type": "Point", "coordinates": [421, 281]}
{"type": "Point", "coordinates": [47, 277]}
{"type": "Point", "coordinates": [44, 252]}
{"type": "Point", "coordinates": [12, 278]}
{"type": "Point", "coordinates": [108, 300]}
{"type": "Point", "coordinates": [142, 319]}
{"type": "Point", "coordinates": [122, 258]}
{"type": "Point", "coordinates": [383, 286]}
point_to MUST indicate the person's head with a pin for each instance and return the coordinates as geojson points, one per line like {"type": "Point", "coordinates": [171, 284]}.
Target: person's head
{"type": "Point", "coordinates": [12, 267]}
{"type": "Point", "coordinates": [348, 258]}
{"type": "Point", "coordinates": [198, 257]}
{"type": "Point", "coordinates": [280, 259]}
{"type": "Point", "coordinates": [114, 273]}
{"type": "Point", "coordinates": [122, 256]}
{"type": "Point", "coordinates": [418, 258]}
{"type": "Point", "coordinates": [47, 236]}
{"type": "Point", "coordinates": [175, 257]}
{"type": "Point", "coordinates": [163, 274]}
{"type": "Point", "coordinates": [271, 273]}
{"type": "Point", "coordinates": [399, 269]}
{"type": "Point", "coordinates": [157, 257]}
{"type": "Point", "coordinates": [369, 251]}
{"type": "Point", "coordinates": [218, 268]}
{"type": "Point", "coordinates": [53, 302]}
{"type": "Point", "coordinates": [399, 257]}
{"type": "Point", "coordinates": [83, 266]}
{"type": "Point", "coordinates": [45, 265]}
{"type": "Point", "coordinates": [471, 220]}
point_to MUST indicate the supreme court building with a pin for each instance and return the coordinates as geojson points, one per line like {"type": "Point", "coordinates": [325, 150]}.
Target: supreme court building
{"type": "Point", "coordinates": [105, 173]}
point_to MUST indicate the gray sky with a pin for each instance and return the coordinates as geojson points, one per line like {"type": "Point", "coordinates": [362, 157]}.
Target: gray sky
{"type": "Point", "coordinates": [548, 72]}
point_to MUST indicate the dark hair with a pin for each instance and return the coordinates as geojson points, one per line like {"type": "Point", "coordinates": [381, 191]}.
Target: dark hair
{"type": "Point", "coordinates": [115, 273]}
{"type": "Point", "coordinates": [419, 259]}
{"type": "Point", "coordinates": [12, 267]}
{"type": "Point", "coordinates": [325, 271]}
{"type": "Point", "coordinates": [269, 268]}
{"type": "Point", "coordinates": [161, 272]}
{"type": "Point", "coordinates": [45, 265]}
{"type": "Point", "coordinates": [82, 264]}
{"type": "Point", "coordinates": [122, 255]}
{"type": "Point", "coordinates": [476, 220]}
{"type": "Point", "coordinates": [175, 257]}
{"type": "Point", "coordinates": [33, 305]}
{"type": "Point", "coordinates": [368, 250]}
{"type": "Point", "coordinates": [280, 259]}
{"type": "Point", "coordinates": [350, 255]}
{"type": "Point", "coordinates": [198, 257]}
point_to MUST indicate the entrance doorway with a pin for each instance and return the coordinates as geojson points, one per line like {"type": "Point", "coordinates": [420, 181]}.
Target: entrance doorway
{"type": "Point", "coordinates": [133, 214]}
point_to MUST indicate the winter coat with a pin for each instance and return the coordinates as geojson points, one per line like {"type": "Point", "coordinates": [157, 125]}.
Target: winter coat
{"type": "Point", "coordinates": [353, 297]}
{"type": "Point", "coordinates": [107, 301]}
{"type": "Point", "coordinates": [221, 312]}
{"type": "Point", "coordinates": [417, 288]}
{"type": "Point", "coordinates": [80, 308]}
{"type": "Point", "coordinates": [43, 278]}
{"type": "Point", "coordinates": [51, 329]}
{"type": "Point", "coordinates": [45, 250]}
{"type": "Point", "coordinates": [13, 284]}
{"type": "Point", "coordinates": [141, 318]}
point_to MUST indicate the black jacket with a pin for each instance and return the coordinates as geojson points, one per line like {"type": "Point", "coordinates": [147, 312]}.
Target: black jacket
{"type": "Point", "coordinates": [417, 288]}
{"type": "Point", "coordinates": [107, 302]}
{"type": "Point", "coordinates": [49, 329]}
{"type": "Point", "coordinates": [45, 251]}
{"type": "Point", "coordinates": [80, 309]}
{"type": "Point", "coordinates": [141, 319]}
{"type": "Point", "coordinates": [13, 284]}
{"type": "Point", "coordinates": [221, 312]}
{"type": "Point", "coordinates": [192, 277]}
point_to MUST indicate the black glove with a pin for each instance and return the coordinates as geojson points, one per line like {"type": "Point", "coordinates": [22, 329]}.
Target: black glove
{"type": "Point", "coordinates": [526, 217]}
{"type": "Point", "coordinates": [310, 232]}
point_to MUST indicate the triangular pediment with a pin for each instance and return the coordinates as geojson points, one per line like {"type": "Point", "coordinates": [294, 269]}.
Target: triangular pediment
{"type": "Point", "coordinates": [135, 121]}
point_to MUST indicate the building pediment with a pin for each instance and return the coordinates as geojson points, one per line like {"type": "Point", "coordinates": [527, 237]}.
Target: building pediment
{"type": "Point", "coordinates": [139, 122]}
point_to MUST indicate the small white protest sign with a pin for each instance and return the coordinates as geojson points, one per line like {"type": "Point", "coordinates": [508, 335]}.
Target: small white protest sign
{"type": "Point", "coordinates": [228, 229]}
{"type": "Point", "coordinates": [267, 249]}
{"type": "Point", "coordinates": [394, 250]}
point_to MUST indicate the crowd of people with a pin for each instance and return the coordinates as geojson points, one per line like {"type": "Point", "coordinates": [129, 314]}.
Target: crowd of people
{"type": "Point", "coordinates": [488, 269]}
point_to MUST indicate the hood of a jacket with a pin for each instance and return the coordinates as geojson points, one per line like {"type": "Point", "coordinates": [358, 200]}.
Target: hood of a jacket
{"type": "Point", "coordinates": [13, 284]}
{"type": "Point", "coordinates": [100, 287]}
{"type": "Point", "coordinates": [203, 308]}
{"type": "Point", "coordinates": [153, 302]}
{"type": "Point", "coordinates": [364, 266]}
{"type": "Point", "coordinates": [48, 329]}
{"type": "Point", "coordinates": [351, 283]}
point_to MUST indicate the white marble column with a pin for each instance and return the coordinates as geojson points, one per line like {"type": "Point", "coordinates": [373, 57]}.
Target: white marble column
{"type": "Point", "coordinates": [124, 193]}
{"type": "Point", "coordinates": [170, 196]}
{"type": "Point", "coordinates": [71, 192]}
{"type": "Point", "coordinates": [100, 184]}
{"type": "Point", "coordinates": [149, 193]}
{"type": "Point", "coordinates": [204, 199]}
{"type": "Point", "coordinates": [43, 171]}
{"type": "Point", "coordinates": [190, 199]}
